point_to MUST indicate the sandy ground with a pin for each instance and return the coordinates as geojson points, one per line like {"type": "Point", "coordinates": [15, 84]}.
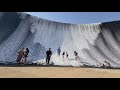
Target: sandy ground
{"type": "Point", "coordinates": [57, 72]}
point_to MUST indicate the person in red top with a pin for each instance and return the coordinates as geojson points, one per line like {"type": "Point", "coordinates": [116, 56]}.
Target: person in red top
{"type": "Point", "coordinates": [20, 55]}
{"type": "Point", "coordinates": [26, 51]}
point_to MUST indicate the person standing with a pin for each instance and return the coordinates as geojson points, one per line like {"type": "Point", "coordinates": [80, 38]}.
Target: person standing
{"type": "Point", "coordinates": [26, 52]}
{"type": "Point", "coordinates": [59, 51]}
{"type": "Point", "coordinates": [76, 55]}
{"type": "Point", "coordinates": [48, 55]}
{"type": "Point", "coordinates": [63, 54]}
{"type": "Point", "coordinates": [20, 55]}
{"type": "Point", "coordinates": [66, 55]}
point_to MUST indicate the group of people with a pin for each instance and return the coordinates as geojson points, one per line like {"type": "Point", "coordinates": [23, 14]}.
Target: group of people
{"type": "Point", "coordinates": [106, 64]}
{"type": "Point", "coordinates": [65, 53]}
{"type": "Point", "coordinates": [22, 56]}
{"type": "Point", "coordinates": [49, 54]}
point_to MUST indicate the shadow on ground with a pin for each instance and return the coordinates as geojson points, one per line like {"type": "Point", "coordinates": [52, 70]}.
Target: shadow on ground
{"type": "Point", "coordinates": [50, 65]}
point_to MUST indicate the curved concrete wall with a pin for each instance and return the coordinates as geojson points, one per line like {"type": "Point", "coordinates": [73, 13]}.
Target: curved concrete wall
{"type": "Point", "coordinates": [95, 43]}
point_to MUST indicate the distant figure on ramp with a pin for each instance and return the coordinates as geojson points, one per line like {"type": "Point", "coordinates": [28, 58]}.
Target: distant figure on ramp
{"type": "Point", "coordinates": [59, 51]}
{"type": "Point", "coordinates": [48, 55]}
{"type": "Point", "coordinates": [76, 55]}
{"type": "Point", "coordinates": [63, 54]}
{"type": "Point", "coordinates": [66, 55]}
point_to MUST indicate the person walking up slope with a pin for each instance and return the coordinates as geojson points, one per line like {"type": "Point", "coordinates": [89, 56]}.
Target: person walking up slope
{"type": "Point", "coordinates": [66, 55]}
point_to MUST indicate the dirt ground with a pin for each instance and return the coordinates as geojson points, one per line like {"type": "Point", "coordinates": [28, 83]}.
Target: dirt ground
{"type": "Point", "coordinates": [57, 72]}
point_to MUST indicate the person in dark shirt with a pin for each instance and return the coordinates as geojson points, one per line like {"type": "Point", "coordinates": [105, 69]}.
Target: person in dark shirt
{"type": "Point", "coordinates": [48, 55]}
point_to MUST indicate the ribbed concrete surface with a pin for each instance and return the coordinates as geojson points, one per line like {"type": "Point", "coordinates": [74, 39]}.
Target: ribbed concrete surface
{"type": "Point", "coordinates": [95, 43]}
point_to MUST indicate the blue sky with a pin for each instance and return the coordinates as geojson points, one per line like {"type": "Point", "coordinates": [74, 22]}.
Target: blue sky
{"type": "Point", "coordinates": [78, 17]}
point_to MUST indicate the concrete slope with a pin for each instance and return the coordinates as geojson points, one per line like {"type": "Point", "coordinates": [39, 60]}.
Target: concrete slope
{"type": "Point", "coordinates": [95, 43]}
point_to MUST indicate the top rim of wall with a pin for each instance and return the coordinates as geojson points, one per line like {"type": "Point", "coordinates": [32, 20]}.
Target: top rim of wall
{"type": "Point", "coordinates": [69, 23]}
